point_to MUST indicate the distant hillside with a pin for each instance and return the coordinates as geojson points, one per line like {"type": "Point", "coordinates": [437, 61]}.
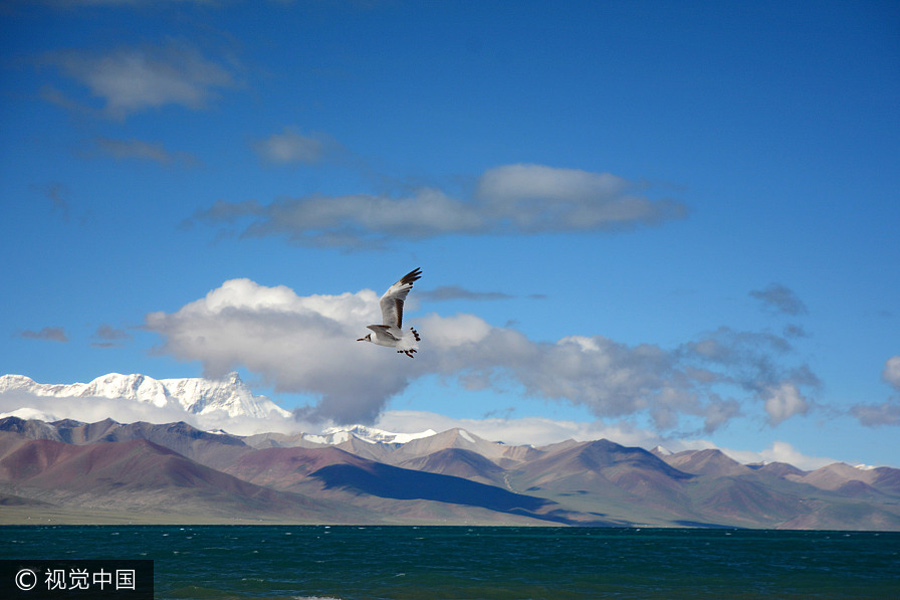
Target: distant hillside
{"type": "Point", "coordinates": [70, 471]}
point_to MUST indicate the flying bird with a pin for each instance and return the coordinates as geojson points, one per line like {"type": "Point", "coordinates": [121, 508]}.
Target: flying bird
{"type": "Point", "coordinates": [390, 332]}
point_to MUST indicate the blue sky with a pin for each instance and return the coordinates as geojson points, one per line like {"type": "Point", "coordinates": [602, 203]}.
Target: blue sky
{"type": "Point", "coordinates": [635, 219]}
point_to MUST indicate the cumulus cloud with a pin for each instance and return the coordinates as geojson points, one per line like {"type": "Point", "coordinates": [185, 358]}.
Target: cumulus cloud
{"type": "Point", "coordinates": [514, 199]}
{"type": "Point", "coordinates": [355, 221]}
{"type": "Point", "coordinates": [780, 451]}
{"type": "Point", "coordinates": [888, 412]}
{"type": "Point", "coordinates": [48, 334]}
{"type": "Point", "coordinates": [306, 345]}
{"type": "Point", "coordinates": [875, 415]}
{"type": "Point", "coordinates": [891, 372]}
{"type": "Point", "coordinates": [784, 401]}
{"type": "Point", "coordinates": [133, 79]}
{"type": "Point", "coordinates": [297, 344]}
{"type": "Point", "coordinates": [779, 299]}
{"type": "Point", "coordinates": [754, 362]}
{"type": "Point", "coordinates": [536, 198]}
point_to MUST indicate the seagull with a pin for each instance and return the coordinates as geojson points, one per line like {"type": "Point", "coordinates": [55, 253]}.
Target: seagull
{"type": "Point", "coordinates": [390, 333]}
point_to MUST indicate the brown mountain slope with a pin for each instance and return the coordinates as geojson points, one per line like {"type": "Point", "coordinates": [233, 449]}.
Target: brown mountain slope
{"type": "Point", "coordinates": [395, 483]}
{"type": "Point", "coordinates": [629, 485]}
{"type": "Point", "coordinates": [398, 493]}
{"type": "Point", "coordinates": [139, 470]}
{"type": "Point", "coordinates": [745, 502]}
{"type": "Point", "coordinates": [285, 468]}
{"type": "Point", "coordinates": [778, 469]}
{"type": "Point", "coordinates": [459, 463]}
{"type": "Point", "coordinates": [632, 469]}
{"type": "Point", "coordinates": [835, 476]}
{"type": "Point", "coordinates": [211, 449]}
{"type": "Point", "coordinates": [142, 477]}
{"type": "Point", "coordinates": [705, 462]}
{"type": "Point", "coordinates": [463, 440]}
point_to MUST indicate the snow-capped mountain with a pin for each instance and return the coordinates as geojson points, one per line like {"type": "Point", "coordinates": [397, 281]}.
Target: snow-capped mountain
{"type": "Point", "coordinates": [449, 478]}
{"type": "Point", "coordinates": [197, 396]}
{"type": "Point", "coordinates": [338, 435]}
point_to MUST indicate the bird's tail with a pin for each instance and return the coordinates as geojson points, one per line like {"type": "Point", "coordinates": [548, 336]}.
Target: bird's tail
{"type": "Point", "coordinates": [409, 342]}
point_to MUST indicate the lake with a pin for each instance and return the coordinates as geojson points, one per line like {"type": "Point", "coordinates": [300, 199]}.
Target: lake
{"type": "Point", "coordinates": [349, 563]}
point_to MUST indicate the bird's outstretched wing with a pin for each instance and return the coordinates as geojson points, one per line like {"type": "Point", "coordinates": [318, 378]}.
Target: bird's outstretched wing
{"type": "Point", "coordinates": [385, 330]}
{"type": "Point", "coordinates": [393, 299]}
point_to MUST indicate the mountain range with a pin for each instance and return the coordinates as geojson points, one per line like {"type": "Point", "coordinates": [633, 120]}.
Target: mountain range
{"type": "Point", "coordinates": [197, 396]}
{"type": "Point", "coordinates": [101, 472]}
{"type": "Point", "coordinates": [65, 470]}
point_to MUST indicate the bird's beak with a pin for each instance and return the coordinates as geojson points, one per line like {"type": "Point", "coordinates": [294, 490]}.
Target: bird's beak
{"type": "Point", "coordinates": [361, 340]}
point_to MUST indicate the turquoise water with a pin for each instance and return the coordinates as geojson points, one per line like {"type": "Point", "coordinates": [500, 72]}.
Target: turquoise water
{"type": "Point", "coordinates": [349, 563]}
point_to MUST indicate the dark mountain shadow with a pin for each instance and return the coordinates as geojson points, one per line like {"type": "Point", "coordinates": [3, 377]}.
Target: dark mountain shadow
{"type": "Point", "coordinates": [396, 483]}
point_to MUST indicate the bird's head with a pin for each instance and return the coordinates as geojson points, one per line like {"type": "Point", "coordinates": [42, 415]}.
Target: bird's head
{"type": "Point", "coordinates": [368, 338]}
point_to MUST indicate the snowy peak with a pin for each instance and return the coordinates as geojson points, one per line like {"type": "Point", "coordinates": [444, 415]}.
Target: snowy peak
{"type": "Point", "coordinates": [130, 387]}
{"type": "Point", "coordinates": [11, 383]}
{"type": "Point", "coordinates": [371, 435]}
{"type": "Point", "coordinates": [197, 396]}
{"type": "Point", "coordinates": [231, 395]}
{"type": "Point", "coordinates": [661, 450]}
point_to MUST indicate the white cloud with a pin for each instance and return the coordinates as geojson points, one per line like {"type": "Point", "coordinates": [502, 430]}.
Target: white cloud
{"type": "Point", "coordinates": [512, 199]}
{"type": "Point", "coordinates": [780, 452]}
{"type": "Point", "coordinates": [354, 221]}
{"type": "Point", "coordinates": [131, 80]}
{"type": "Point", "coordinates": [784, 402]}
{"type": "Point", "coordinates": [306, 345]}
{"type": "Point", "coordinates": [757, 364]}
{"type": "Point", "coordinates": [28, 413]}
{"type": "Point", "coordinates": [885, 413]}
{"type": "Point", "coordinates": [891, 372]}
{"type": "Point", "coordinates": [874, 415]}
{"type": "Point", "coordinates": [513, 183]}
{"type": "Point", "coordinates": [447, 333]}
{"type": "Point", "coordinates": [301, 345]}
{"type": "Point", "coordinates": [537, 198]}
